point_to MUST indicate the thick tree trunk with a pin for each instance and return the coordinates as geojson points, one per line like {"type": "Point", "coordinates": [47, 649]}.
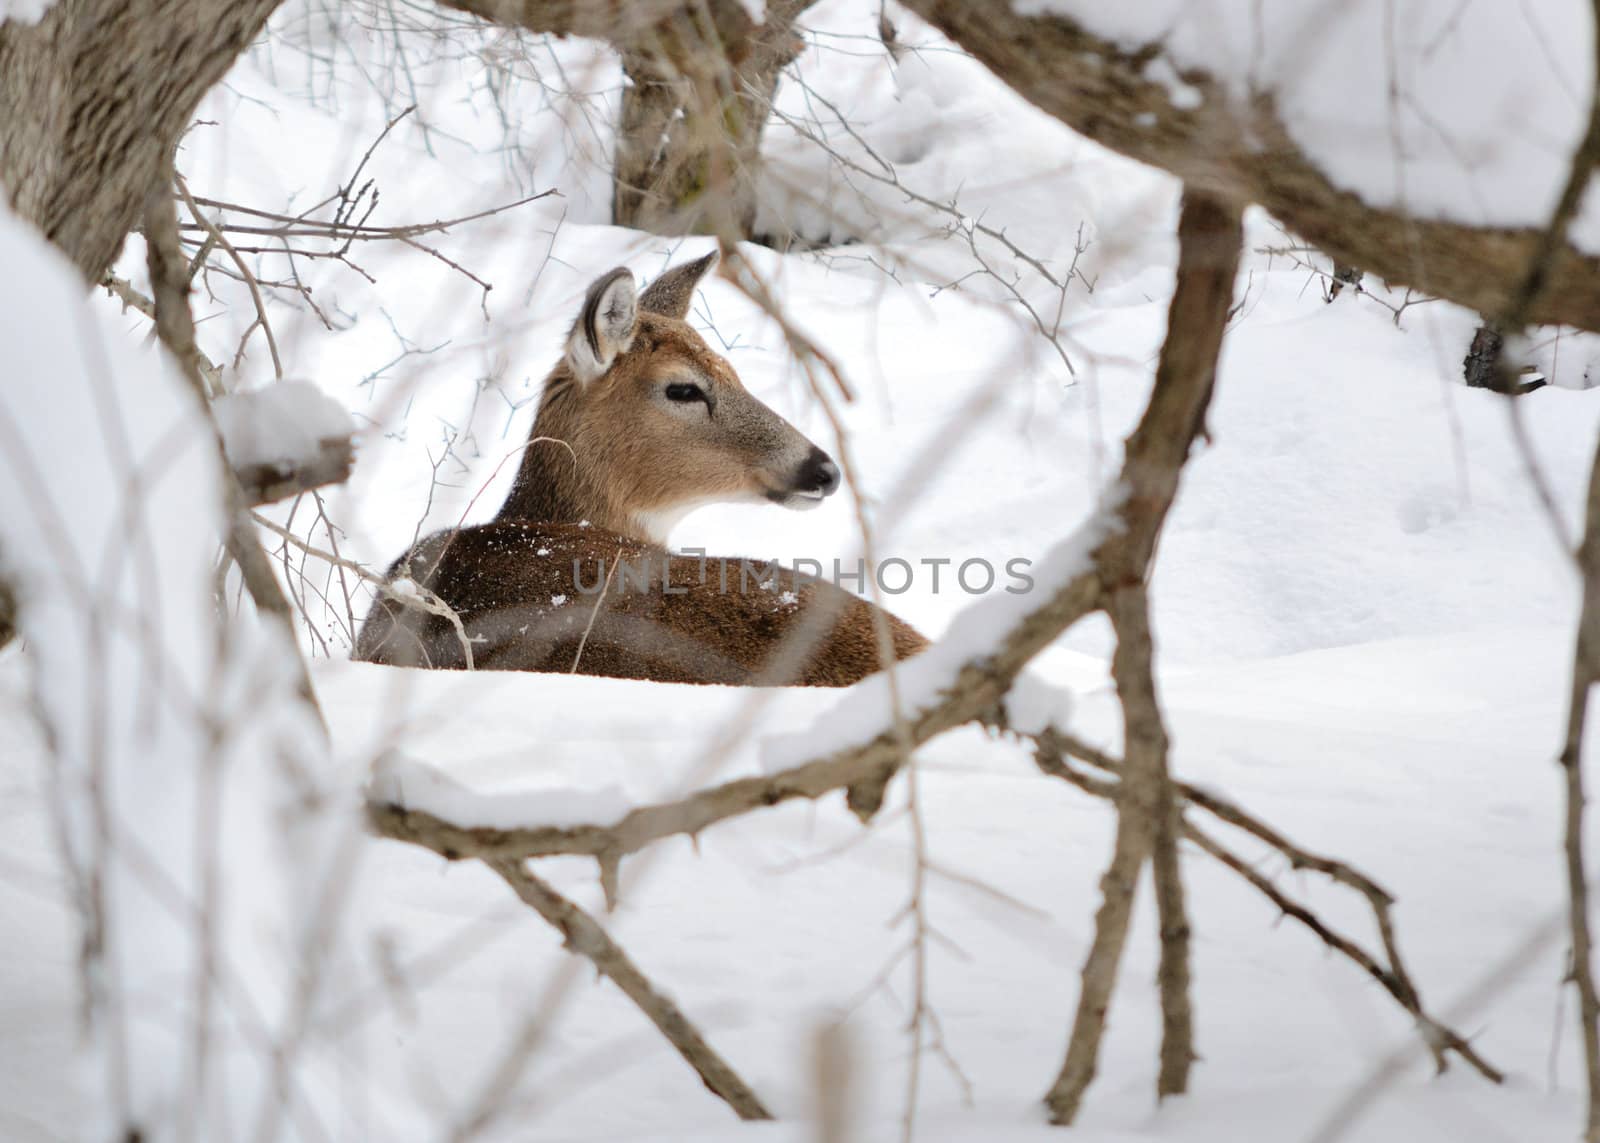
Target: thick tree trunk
{"type": "Point", "coordinates": [700, 88]}
{"type": "Point", "coordinates": [700, 82]}
{"type": "Point", "coordinates": [93, 100]}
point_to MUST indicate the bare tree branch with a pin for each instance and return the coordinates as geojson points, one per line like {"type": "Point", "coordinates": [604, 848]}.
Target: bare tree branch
{"type": "Point", "coordinates": [1052, 749]}
{"type": "Point", "coordinates": [1585, 672]}
{"type": "Point", "coordinates": [1437, 1036]}
{"type": "Point", "coordinates": [1209, 239]}
{"type": "Point", "coordinates": [266, 483]}
{"type": "Point", "coordinates": [169, 279]}
{"type": "Point", "coordinates": [93, 99]}
{"type": "Point", "coordinates": [1144, 730]}
{"type": "Point", "coordinates": [1242, 153]}
{"type": "Point", "coordinates": [585, 936]}
{"type": "Point", "coordinates": [217, 236]}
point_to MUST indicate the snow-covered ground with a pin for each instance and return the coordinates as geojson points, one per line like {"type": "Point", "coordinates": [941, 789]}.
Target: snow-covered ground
{"type": "Point", "coordinates": [1363, 617]}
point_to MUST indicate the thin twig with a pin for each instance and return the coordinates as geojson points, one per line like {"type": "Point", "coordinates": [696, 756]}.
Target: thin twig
{"type": "Point", "coordinates": [416, 596]}
{"type": "Point", "coordinates": [594, 612]}
{"type": "Point", "coordinates": [175, 326]}
{"type": "Point", "coordinates": [244, 271]}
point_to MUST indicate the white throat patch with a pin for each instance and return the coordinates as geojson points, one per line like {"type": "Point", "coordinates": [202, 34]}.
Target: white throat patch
{"type": "Point", "coordinates": [657, 524]}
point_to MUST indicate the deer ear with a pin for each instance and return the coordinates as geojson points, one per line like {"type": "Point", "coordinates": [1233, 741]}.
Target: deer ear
{"type": "Point", "coordinates": [605, 327]}
{"type": "Point", "coordinates": [671, 294]}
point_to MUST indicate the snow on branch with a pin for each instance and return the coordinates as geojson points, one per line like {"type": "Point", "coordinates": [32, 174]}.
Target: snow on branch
{"type": "Point", "coordinates": [1239, 148]}
{"type": "Point", "coordinates": [281, 440]}
{"type": "Point", "coordinates": [284, 439]}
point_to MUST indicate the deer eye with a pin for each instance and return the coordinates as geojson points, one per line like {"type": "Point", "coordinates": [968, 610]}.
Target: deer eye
{"type": "Point", "coordinates": [685, 392]}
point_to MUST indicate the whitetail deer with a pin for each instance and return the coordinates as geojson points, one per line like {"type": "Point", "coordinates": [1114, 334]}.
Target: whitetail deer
{"type": "Point", "coordinates": [639, 423]}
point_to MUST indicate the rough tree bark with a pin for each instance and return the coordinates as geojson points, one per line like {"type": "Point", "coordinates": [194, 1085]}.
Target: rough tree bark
{"type": "Point", "coordinates": [95, 95]}
{"type": "Point", "coordinates": [1242, 153]}
{"type": "Point", "coordinates": [701, 78]}
{"type": "Point", "coordinates": [700, 87]}
{"type": "Point", "coordinates": [93, 100]}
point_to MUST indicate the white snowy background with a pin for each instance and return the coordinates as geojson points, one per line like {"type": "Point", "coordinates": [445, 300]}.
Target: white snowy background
{"type": "Point", "coordinates": [1363, 611]}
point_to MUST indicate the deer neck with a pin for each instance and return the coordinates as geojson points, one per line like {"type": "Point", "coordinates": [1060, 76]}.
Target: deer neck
{"type": "Point", "coordinates": [554, 485]}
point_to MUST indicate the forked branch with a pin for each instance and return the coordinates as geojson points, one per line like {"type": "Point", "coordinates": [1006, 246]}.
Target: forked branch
{"type": "Point", "coordinates": [1209, 237]}
{"type": "Point", "coordinates": [1053, 751]}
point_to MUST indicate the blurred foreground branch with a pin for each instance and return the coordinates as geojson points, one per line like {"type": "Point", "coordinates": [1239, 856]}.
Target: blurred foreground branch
{"type": "Point", "coordinates": [175, 324]}
{"type": "Point", "coordinates": [1537, 282]}
{"type": "Point", "coordinates": [261, 481]}
{"type": "Point", "coordinates": [268, 481]}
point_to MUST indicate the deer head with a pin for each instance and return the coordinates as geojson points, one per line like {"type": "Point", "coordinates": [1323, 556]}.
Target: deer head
{"type": "Point", "coordinates": [654, 422]}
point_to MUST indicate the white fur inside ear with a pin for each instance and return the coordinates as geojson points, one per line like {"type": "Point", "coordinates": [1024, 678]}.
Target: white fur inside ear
{"type": "Point", "coordinates": [605, 327]}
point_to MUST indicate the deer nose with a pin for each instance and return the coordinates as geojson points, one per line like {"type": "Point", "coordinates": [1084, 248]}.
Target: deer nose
{"type": "Point", "coordinates": [819, 474]}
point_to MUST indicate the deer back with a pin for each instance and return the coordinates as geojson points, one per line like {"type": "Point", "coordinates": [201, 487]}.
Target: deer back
{"type": "Point", "coordinates": [573, 599]}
